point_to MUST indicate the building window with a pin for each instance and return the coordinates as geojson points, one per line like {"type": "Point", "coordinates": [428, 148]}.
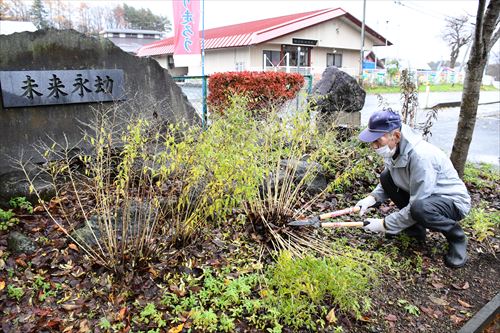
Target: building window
{"type": "Point", "coordinates": [334, 59]}
{"type": "Point", "coordinates": [298, 54]}
{"type": "Point", "coordinates": [272, 58]}
{"type": "Point", "coordinates": [128, 35]}
{"type": "Point", "coordinates": [170, 61]}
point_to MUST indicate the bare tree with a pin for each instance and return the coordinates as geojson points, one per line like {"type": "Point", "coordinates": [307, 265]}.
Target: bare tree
{"type": "Point", "coordinates": [60, 14]}
{"type": "Point", "coordinates": [486, 34]}
{"type": "Point", "coordinates": [456, 34]}
{"type": "Point", "coordinates": [16, 10]}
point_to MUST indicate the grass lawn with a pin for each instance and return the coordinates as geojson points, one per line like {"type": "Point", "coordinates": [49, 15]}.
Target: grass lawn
{"type": "Point", "coordinates": [434, 88]}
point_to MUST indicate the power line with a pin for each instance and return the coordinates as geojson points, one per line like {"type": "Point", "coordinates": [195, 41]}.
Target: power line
{"type": "Point", "coordinates": [414, 4]}
{"type": "Point", "coordinates": [398, 2]}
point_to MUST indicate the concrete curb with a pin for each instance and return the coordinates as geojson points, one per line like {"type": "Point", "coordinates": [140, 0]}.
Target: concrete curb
{"type": "Point", "coordinates": [483, 317]}
{"type": "Point", "coordinates": [455, 104]}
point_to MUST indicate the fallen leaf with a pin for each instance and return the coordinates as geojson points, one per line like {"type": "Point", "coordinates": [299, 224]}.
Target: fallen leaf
{"type": "Point", "coordinates": [176, 329]}
{"type": "Point", "coordinates": [53, 322]}
{"type": "Point", "coordinates": [456, 319]}
{"type": "Point", "coordinates": [62, 229]}
{"type": "Point", "coordinates": [177, 291]}
{"type": "Point", "coordinates": [437, 285]}
{"type": "Point", "coordinates": [84, 326]}
{"type": "Point", "coordinates": [438, 301]}
{"type": "Point", "coordinates": [428, 311]}
{"type": "Point", "coordinates": [463, 287]}
{"type": "Point", "coordinates": [391, 317]}
{"type": "Point", "coordinates": [121, 314]}
{"type": "Point", "coordinates": [462, 303]}
{"type": "Point", "coordinates": [21, 262]}
{"type": "Point", "coordinates": [38, 209]}
{"type": "Point", "coordinates": [364, 318]}
{"type": "Point", "coordinates": [68, 329]}
{"type": "Point", "coordinates": [73, 247]}
{"type": "Point", "coordinates": [153, 271]}
{"type": "Point", "coordinates": [70, 307]}
{"type": "Point", "coordinates": [42, 312]}
{"type": "Point", "coordinates": [331, 317]}
{"type": "Point", "coordinates": [2, 284]}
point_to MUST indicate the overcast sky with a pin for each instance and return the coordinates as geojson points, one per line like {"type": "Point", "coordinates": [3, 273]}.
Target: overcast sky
{"type": "Point", "coordinates": [413, 26]}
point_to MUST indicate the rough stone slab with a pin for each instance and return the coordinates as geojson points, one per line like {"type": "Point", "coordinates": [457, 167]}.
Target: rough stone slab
{"type": "Point", "coordinates": [483, 317]}
{"type": "Point", "coordinates": [150, 90]}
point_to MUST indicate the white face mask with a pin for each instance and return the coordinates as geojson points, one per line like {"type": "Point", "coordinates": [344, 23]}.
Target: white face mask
{"type": "Point", "coordinates": [385, 151]}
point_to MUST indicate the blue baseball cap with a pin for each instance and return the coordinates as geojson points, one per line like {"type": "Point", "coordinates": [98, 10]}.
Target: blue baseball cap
{"type": "Point", "coordinates": [380, 122]}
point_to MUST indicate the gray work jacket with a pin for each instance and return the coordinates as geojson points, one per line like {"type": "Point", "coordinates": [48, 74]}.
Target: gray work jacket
{"type": "Point", "coordinates": [422, 170]}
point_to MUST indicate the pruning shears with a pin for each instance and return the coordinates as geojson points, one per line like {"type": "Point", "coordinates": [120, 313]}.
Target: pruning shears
{"type": "Point", "coordinates": [316, 221]}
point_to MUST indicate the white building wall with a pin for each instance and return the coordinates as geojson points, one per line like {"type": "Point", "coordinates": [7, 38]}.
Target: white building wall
{"type": "Point", "coordinates": [337, 33]}
{"type": "Point", "coordinates": [227, 60]}
{"type": "Point", "coordinates": [177, 71]}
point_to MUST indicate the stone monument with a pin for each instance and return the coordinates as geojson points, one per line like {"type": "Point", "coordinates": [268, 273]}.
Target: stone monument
{"type": "Point", "coordinates": [53, 81]}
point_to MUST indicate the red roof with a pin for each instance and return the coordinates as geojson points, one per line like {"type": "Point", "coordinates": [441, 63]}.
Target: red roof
{"type": "Point", "coordinates": [255, 32]}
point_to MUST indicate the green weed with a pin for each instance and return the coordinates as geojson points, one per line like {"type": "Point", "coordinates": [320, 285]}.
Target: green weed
{"type": "Point", "coordinates": [7, 219]}
{"type": "Point", "coordinates": [150, 315]}
{"type": "Point", "coordinates": [21, 203]}
{"type": "Point", "coordinates": [15, 292]}
{"type": "Point", "coordinates": [298, 288]}
{"type": "Point", "coordinates": [44, 288]}
{"type": "Point", "coordinates": [481, 175]}
{"type": "Point", "coordinates": [410, 308]}
{"type": "Point", "coordinates": [483, 223]}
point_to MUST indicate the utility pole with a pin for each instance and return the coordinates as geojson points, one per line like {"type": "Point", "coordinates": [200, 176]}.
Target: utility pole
{"type": "Point", "coordinates": [362, 51]}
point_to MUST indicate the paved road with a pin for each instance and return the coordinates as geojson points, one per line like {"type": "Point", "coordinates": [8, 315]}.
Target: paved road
{"type": "Point", "coordinates": [485, 145]}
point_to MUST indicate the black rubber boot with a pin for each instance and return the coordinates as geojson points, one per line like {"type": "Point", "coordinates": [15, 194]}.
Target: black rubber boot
{"type": "Point", "coordinates": [457, 247]}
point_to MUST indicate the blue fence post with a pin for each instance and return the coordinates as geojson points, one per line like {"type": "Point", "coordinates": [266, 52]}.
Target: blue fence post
{"type": "Point", "coordinates": [204, 101]}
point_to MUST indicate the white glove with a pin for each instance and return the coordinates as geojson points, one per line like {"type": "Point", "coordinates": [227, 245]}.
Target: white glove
{"type": "Point", "coordinates": [375, 225]}
{"type": "Point", "coordinates": [365, 203]}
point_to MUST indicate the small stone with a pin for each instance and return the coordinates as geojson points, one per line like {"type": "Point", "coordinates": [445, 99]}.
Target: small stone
{"type": "Point", "coordinates": [19, 243]}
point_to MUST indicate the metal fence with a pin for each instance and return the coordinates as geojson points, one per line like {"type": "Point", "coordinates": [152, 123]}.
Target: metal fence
{"type": "Point", "coordinates": [192, 87]}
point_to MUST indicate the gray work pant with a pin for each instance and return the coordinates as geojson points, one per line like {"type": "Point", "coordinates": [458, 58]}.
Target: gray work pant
{"type": "Point", "coordinates": [435, 212]}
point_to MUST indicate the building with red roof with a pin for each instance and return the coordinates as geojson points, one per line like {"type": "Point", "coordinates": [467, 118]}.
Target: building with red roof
{"type": "Point", "coordinates": [311, 41]}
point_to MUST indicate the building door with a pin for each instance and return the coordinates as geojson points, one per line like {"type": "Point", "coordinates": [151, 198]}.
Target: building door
{"type": "Point", "coordinates": [293, 50]}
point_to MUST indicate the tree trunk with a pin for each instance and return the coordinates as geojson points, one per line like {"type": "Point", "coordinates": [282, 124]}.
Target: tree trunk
{"type": "Point", "coordinates": [468, 113]}
{"type": "Point", "coordinates": [484, 38]}
{"type": "Point", "coordinates": [454, 56]}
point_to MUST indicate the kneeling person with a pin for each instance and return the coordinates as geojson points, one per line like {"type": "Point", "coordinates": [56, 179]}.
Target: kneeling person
{"type": "Point", "coordinates": [421, 180]}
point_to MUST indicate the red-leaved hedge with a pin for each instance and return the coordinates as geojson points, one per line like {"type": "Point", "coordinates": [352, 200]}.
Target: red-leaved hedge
{"type": "Point", "coordinates": [262, 89]}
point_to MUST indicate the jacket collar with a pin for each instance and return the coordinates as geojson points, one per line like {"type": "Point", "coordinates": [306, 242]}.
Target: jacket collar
{"type": "Point", "coordinates": [409, 139]}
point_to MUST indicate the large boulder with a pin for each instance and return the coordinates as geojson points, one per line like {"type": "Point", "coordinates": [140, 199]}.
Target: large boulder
{"type": "Point", "coordinates": [337, 91]}
{"type": "Point", "coordinates": [14, 184]}
{"type": "Point", "coordinates": [301, 169]}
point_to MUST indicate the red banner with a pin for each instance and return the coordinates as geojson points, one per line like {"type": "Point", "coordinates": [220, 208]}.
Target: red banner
{"type": "Point", "coordinates": [186, 27]}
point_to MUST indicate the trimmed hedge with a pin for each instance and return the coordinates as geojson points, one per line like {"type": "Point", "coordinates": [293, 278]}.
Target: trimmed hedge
{"type": "Point", "coordinates": [262, 89]}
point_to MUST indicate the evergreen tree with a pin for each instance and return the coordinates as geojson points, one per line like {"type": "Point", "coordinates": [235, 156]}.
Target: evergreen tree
{"type": "Point", "coordinates": [39, 15]}
{"type": "Point", "coordinates": [145, 19]}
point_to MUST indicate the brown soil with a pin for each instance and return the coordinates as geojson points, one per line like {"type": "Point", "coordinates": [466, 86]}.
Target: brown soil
{"type": "Point", "coordinates": [432, 298]}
